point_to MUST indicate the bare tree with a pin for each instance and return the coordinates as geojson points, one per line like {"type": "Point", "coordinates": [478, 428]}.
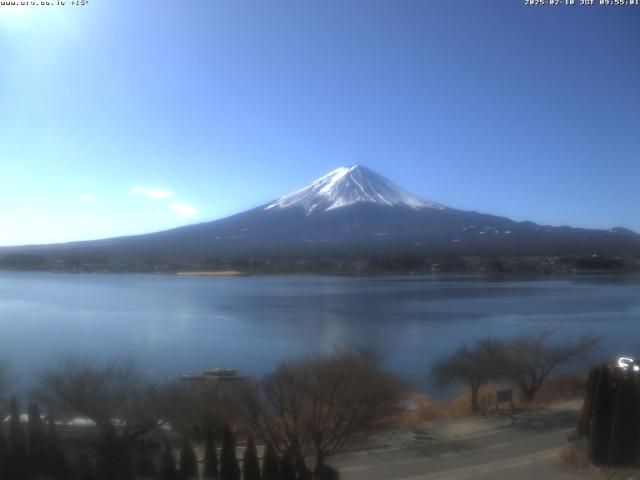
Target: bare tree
{"type": "Point", "coordinates": [199, 410]}
{"type": "Point", "coordinates": [316, 407]}
{"type": "Point", "coordinates": [472, 366]}
{"type": "Point", "coordinates": [114, 395]}
{"type": "Point", "coordinates": [532, 357]}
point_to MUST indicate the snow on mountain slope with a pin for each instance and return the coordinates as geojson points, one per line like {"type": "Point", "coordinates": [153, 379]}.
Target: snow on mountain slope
{"type": "Point", "coordinates": [350, 211]}
{"type": "Point", "coordinates": [346, 186]}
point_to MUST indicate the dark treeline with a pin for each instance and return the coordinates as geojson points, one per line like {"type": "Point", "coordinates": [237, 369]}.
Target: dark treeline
{"type": "Point", "coordinates": [31, 451]}
{"type": "Point", "coordinates": [106, 421]}
{"type": "Point", "coordinates": [35, 451]}
{"type": "Point", "coordinates": [332, 264]}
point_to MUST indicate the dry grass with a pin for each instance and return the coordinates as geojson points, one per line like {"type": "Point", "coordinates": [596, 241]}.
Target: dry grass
{"type": "Point", "coordinates": [558, 389]}
{"type": "Point", "coordinates": [460, 406]}
{"type": "Point", "coordinates": [410, 418]}
{"type": "Point", "coordinates": [574, 457]}
{"type": "Point", "coordinates": [562, 388]}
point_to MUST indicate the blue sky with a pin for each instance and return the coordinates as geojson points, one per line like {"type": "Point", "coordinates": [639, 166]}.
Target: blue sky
{"type": "Point", "coordinates": [124, 117]}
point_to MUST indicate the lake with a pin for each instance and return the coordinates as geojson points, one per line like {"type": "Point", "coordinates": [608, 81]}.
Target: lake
{"type": "Point", "coordinates": [176, 324]}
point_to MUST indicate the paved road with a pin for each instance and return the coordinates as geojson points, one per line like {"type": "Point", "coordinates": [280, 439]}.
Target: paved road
{"type": "Point", "coordinates": [513, 453]}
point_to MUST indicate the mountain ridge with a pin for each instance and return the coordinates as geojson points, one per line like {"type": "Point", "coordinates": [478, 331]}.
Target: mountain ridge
{"type": "Point", "coordinates": [351, 210]}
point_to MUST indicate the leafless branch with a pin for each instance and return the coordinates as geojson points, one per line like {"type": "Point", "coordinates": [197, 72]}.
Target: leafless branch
{"type": "Point", "coordinates": [315, 407]}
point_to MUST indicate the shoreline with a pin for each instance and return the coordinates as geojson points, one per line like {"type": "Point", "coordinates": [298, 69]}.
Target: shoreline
{"type": "Point", "coordinates": [531, 275]}
{"type": "Point", "coordinates": [225, 273]}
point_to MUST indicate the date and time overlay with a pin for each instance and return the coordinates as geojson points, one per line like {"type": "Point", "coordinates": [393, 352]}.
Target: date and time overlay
{"type": "Point", "coordinates": [528, 3]}
{"type": "Point", "coordinates": [43, 3]}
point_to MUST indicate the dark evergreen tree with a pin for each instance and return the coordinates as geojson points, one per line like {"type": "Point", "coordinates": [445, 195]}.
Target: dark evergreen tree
{"type": "Point", "coordinates": [19, 464]}
{"type": "Point", "coordinates": [623, 449]}
{"type": "Point", "coordinates": [57, 467]}
{"type": "Point", "coordinates": [169, 470]}
{"type": "Point", "coordinates": [601, 411]}
{"type": "Point", "coordinates": [188, 462]}
{"type": "Point", "coordinates": [145, 466]}
{"type": "Point", "coordinates": [4, 453]}
{"type": "Point", "coordinates": [115, 456]}
{"type": "Point", "coordinates": [611, 416]}
{"type": "Point", "coordinates": [634, 420]}
{"type": "Point", "coordinates": [84, 469]}
{"type": "Point", "coordinates": [210, 468]}
{"type": "Point", "coordinates": [288, 468]}
{"type": "Point", "coordinates": [229, 468]}
{"type": "Point", "coordinates": [328, 473]}
{"type": "Point", "coordinates": [584, 426]}
{"type": "Point", "coordinates": [270, 464]}
{"type": "Point", "coordinates": [37, 442]}
{"type": "Point", "coordinates": [250, 465]}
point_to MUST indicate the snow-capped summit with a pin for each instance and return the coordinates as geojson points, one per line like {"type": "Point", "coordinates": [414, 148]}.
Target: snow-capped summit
{"type": "Point", "coordinates": [349, 185]}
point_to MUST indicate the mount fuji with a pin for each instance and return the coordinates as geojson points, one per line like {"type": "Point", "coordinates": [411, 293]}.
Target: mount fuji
{"type": "Point", "coordinates": [352, 211]}
{"type": "Point", "coordinates": [348, 186]}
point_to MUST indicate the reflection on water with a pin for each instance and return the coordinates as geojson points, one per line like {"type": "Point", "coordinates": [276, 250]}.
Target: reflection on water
{"type": "Point", "coordinates": [176, 324]}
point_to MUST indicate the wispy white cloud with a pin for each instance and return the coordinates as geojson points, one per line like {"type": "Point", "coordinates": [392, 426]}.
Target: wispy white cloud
{"type": "Point", "coordinates": [183, 210]}
{"type": "Point", "coordinates": [87, 197]}
{"type": "Point", "coordinates": [152, 193]}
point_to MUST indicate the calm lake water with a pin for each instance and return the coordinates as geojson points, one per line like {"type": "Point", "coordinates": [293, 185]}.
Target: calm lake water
{"type": "Point", "coordinates": [179, 324]}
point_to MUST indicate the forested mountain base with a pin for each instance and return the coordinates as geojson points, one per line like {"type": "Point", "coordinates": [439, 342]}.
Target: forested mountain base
{"type": "Point", "coordinates": [338, 264]}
